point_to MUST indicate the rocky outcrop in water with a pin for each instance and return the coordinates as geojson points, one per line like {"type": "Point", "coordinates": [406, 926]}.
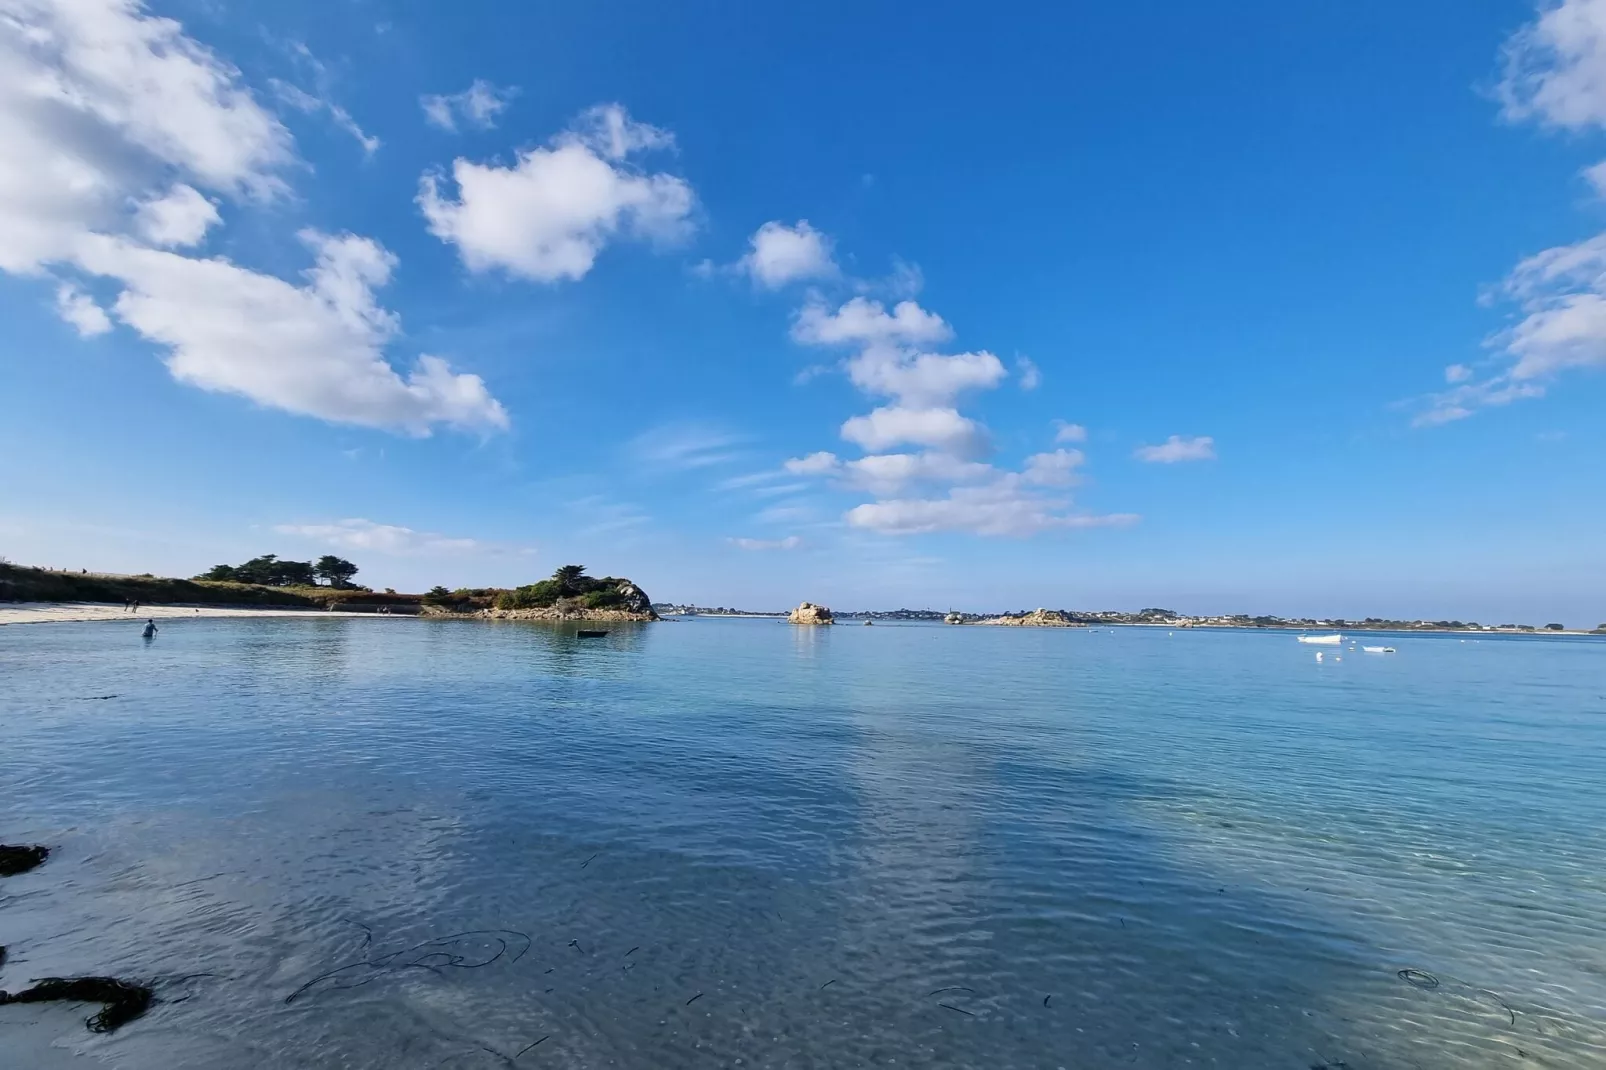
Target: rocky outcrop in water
{"type": "Point", "coordinates": [15, 859]}
{"type": "Point", "coordinates": [1037, 618]}
{"type": "Point", "coordinates": [809, 613]}
{"type": "Point", "coordinates": [567, 609]}
{"type": "Point", "coordinates": [954, 618]}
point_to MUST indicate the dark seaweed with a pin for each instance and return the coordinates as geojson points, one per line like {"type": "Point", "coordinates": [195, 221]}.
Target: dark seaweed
{"type": "Point", "coordinates": [122, 1001]}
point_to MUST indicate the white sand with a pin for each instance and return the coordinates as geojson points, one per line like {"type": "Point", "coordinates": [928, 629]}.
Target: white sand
{"type": "Point", "coordinates": [63, 612]}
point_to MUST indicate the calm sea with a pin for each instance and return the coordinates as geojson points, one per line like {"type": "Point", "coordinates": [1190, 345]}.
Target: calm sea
{"type": "Point", "coordinates": [735, 843]}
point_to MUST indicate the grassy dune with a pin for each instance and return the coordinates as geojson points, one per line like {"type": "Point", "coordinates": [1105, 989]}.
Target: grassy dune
{"type": "Point", "coordinates": [19, 583]}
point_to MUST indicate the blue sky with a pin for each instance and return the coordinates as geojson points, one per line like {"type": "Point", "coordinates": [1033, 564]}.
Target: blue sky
{"type": "Point", "coordinates": [1251, 307]}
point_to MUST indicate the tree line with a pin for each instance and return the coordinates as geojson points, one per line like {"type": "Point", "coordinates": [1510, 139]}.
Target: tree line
{"type": "Point", "coordinates": [271, 571]}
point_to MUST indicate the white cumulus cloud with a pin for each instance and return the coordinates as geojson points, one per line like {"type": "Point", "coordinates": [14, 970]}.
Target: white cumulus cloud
{"type": "Point", "coordinates": [1555, 74]}
{"type": "Point", "coordinates": [117, 125]}
{"type": "Point", "coordinates": [1056, 469]}
{"type": "Point", "coordinates": [102, 104]}
{"type": "Point", "coordinates": [477, 106]}
{"type": "Point", "coordinates": [1177, 448]}
{"type": "Point", "coordinates": [79, 309]}
{"type": "Point", "coordinates": [862, 321]}
{"type": "Point", "coordinates": [940, 428]}
{"type": "Point", "coordinates": [781, 254]}
{"type": "Point", "coordinates": [922, 380]}
{"type": "Point", "coordinates": [175, 219]}
{"type": "Point", "coordinates": [1067, 432]}
{"type": "Point", "coordinates": [550, 214]}
{"type": "Point", "coordinates": [1562, 295]}
{"type": "Point", "coordinates": [815, 464]}
{"type": "Point", "coordinates": [1556, 67]}
{"type": "Point", "coordinates": [888, 473]}
{"type": "Point", "coordinates": [315, 349]}
{"type": "Point", "coordinates": [943, 484]}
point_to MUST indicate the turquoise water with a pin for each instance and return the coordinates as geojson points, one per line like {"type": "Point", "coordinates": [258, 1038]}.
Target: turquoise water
{"type": "Point", "coordinates": [734, 843]}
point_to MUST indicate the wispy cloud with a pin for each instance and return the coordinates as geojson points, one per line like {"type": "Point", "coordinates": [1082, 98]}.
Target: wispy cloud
{"type": "Point", "coordinates": [357, 534]}
{"type": "Point", "coordinates": [792, 512]}
{"type": "Point", "coordinates": [1028, 374]}
{"type": "Point", "coordinates": [686, 446]}
{"type": "Point", "coordinates": [1004, 507]}
{"type": "Point", "coordinates": [1066, 432]}
{"type": "Point", "coordinates": [1555, 74]}
{"type": "Point", "coordinates": [750, 480]}
{"type": "Point", "coordinates": [596, 515]}
{"type": "Point", "coordinates": [79, 309]}
{"type": "Point", "coordinates": [791, 542]}
{"type": "Point", "coordinates": [477, 106]}
{"type": "Point", "coordinates": [321, 100]}
{"type": "Point", "coordinates": [1177, 449]}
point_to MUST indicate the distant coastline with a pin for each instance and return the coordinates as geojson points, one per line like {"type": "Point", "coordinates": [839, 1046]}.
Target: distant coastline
{"type": "Point", "coordinates": [573, 596]}
{"type": "Point", "coordinates": [1153, 618]}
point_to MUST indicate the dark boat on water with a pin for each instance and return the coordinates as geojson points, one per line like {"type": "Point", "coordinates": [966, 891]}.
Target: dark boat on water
{"type": "Point", "coordinates": [586, 633]}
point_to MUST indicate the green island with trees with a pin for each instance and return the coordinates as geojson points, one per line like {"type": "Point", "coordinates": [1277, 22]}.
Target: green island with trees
{"type": "Point", "coordinates": [329, 583]}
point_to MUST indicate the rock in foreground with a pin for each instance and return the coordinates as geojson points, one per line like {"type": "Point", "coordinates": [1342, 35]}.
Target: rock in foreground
{"type": "Point", "coordinates": [809, 613]}
{"type": "Point", "coordinates": [1037, 618]}
{"type": "Point", "coordinates": [20, 859]}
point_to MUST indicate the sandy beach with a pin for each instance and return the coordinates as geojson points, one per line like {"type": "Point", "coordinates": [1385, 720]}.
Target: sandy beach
{"type": "Point", "coordinates": [67, 612]}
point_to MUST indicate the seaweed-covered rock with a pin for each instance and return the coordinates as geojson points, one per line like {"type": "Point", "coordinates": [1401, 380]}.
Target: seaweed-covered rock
{"type": "Point", "coordinates": [20, 859]}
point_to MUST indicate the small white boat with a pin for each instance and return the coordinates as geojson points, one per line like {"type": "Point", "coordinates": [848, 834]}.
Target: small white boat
{"type": "Point", "coordinates": [1322, 640]}
{"type": "Point", "coordinates": [1378, 649]}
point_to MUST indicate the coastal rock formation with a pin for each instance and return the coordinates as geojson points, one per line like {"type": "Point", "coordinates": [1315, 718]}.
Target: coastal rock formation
{"type": "Point", "coordinates": [954, 618]}
{"type": "Point", "coordinates": [809, 613]}
{"type": "Point", "coordinates": [1037, 618]}
{"type": "Point", "coordinates": [567, 609]}
{"type": "Point", "coordinates": [569, 594]}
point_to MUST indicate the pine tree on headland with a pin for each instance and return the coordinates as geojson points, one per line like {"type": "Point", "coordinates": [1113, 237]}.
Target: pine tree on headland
{"type": "Point", "coordinates": [568, 578]}
{"type": "Point", "coordinates": [337, 571]}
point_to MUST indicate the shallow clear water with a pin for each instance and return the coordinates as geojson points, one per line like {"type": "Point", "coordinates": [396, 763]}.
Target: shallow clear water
{"type": "Point", "coordinates": [730, 843]}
